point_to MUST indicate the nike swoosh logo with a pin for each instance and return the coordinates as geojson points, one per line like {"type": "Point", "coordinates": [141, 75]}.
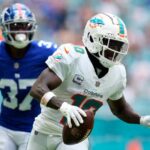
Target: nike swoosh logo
{"type": "Point", "coordinates": [67, 51]}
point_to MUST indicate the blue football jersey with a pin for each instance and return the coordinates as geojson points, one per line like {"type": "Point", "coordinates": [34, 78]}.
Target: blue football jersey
{"type": "Point", "coordinates": [19, 109]}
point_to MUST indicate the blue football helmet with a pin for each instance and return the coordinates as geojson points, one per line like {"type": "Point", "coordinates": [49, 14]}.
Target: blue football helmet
{"type": "Point", "coordinates": [18, 25]}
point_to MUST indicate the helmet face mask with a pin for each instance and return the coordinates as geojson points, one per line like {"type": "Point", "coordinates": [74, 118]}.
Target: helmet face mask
{"type": "Point", "coordinates": [104, 40]}
{"type": "Point", "coordinates": [18, 25]}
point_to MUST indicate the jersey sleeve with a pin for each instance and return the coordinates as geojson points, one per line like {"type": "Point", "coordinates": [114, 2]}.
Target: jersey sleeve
{"type": "Point", "coordinates": [120, 86]}
{"type": "Point", "coordinates": [61, 61]}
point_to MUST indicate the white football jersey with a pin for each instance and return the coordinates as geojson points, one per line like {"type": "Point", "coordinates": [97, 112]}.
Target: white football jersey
{"type": "Point", "coordinates": [80, 85]}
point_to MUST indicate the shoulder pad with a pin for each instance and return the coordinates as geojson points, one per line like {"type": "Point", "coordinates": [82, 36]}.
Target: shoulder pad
{"type": "Point", "coordinates": [120, 70]}
{"type": "Point", "coordinates": [67, 54]}
{"type": "Point", "coordinates": [71, 51]}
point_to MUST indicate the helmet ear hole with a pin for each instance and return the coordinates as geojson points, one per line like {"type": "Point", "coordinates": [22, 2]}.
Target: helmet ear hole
{"type": "Point", "coordinates": [91, 39]}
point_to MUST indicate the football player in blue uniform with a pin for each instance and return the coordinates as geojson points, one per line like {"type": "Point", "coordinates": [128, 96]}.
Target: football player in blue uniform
{"type": "Point", "coordinates": [21, 61]}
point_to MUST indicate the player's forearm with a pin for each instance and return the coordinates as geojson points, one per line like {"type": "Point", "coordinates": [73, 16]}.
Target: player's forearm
{"type": "Point", "coordinates": [50, 101]}
{"type": "Point", "coordinates": [42, 89]}
{"type": "Point", "coordinates": [128, 116]}
{"type": "Point", "coordinates": [122, 110]}
{"type": "Point", "coordinates": [37, 91]}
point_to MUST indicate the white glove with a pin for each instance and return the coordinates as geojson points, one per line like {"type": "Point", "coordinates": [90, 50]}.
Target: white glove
{"type": "Point", "coordinates": [72, 112]}
{"type": "Point", "coordinates": [145, 120]}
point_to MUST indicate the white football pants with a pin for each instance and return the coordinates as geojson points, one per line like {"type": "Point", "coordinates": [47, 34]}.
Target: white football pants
{"type": "Point", "coordinates": [13, 140]}
{"type": "Point", "coordinates": [40, 141]}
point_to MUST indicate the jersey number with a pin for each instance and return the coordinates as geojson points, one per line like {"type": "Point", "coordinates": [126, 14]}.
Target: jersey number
{"type": "Point", "coordinates": [44, 43]}
{"type": "Point", "coordinates": [12, 101]}
{"type": "Point", "coordinates": [81, 101]}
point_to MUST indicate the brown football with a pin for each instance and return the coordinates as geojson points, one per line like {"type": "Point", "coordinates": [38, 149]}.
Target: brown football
{"type": "Point", "coordinates": [76, 134]}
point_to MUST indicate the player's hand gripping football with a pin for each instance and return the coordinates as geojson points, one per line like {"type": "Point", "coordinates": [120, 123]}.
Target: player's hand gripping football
{"type": "Point", "coordinates": [145, 120]}
{"type": "Point", "coordinates": [72, 112]}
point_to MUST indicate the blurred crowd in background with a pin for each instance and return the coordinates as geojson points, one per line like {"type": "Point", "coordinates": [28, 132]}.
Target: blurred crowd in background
{"type": "Point", "coordinates": [64, 20]}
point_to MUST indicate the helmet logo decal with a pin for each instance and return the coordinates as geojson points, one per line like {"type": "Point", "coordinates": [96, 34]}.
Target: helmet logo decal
{"type": "Point", "coordinates": [96, 22]}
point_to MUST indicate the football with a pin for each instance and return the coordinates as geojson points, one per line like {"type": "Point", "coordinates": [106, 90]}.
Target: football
{"type": "Point", "coordinates": [76, 134]}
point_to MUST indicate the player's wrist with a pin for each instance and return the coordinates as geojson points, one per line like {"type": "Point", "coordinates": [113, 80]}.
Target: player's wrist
{"type": "Point", "coordinates": [64, 106]}
{"type": "Point", "coordinates": [142, 120]}
{"type": "Point", "coordinates": [47, 97]}
{"type": "Point", "coordinates": [145, 120]}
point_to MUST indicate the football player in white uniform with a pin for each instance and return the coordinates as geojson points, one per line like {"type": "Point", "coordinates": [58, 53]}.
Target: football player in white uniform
{"type": "Point", "coordinates": [83, 77]}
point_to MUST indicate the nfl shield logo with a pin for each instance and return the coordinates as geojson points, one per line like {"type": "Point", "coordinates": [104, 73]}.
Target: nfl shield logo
{"type": "Point", "coordinates": [97, 84]}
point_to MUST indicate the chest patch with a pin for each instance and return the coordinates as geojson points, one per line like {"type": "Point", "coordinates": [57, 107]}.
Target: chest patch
{"type": "Point", "coordinates": [78, 79]}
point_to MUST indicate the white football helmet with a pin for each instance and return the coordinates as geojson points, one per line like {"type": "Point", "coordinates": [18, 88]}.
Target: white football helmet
{"type": "Point", "coordinates": [18, 25]}
{"type": "Point", "coordinates": [105, 37]}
